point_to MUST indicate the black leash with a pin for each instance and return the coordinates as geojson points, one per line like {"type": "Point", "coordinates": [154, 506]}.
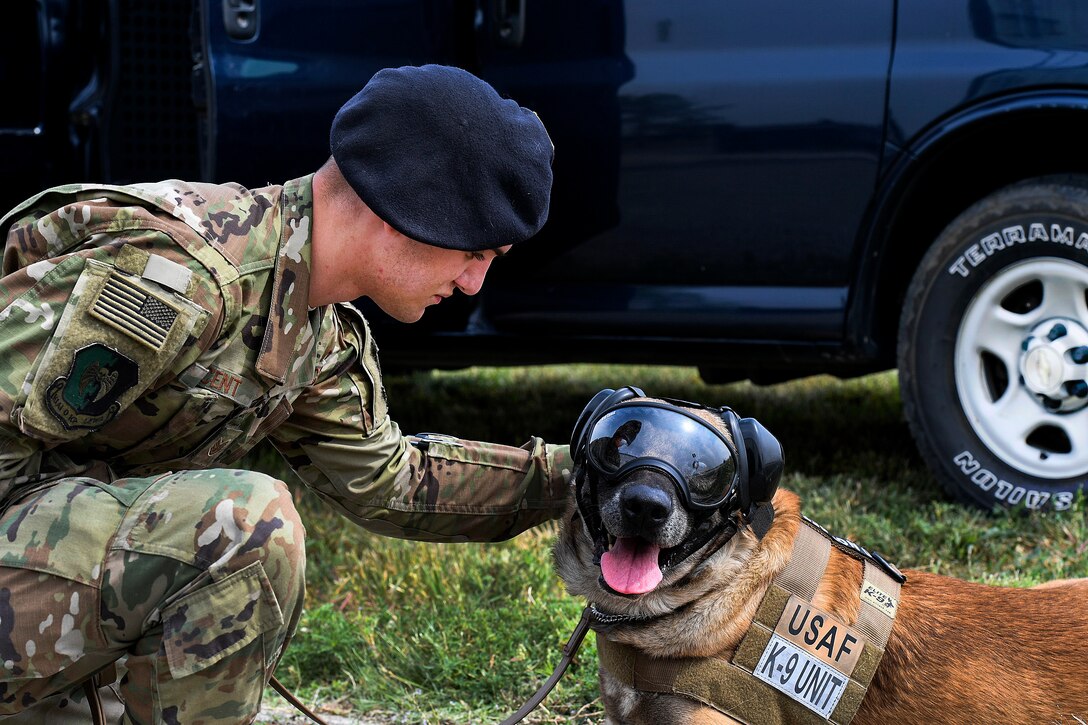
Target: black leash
{"type": "Point", "coordinates": [569, 650]}
{"type": "Point", "coordinates": [287, 695]}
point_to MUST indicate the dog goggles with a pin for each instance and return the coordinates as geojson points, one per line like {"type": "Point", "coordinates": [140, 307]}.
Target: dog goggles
{"type": "Point", "coordinates": [644, 434]}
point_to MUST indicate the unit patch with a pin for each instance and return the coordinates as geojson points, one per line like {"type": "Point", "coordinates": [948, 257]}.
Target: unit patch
{"type": "Point", "coordinates": [788, 668]}
{"type": "Point", "coordinates": [87, 396]}
{"type": "Point", "coordinates": [810, 656]}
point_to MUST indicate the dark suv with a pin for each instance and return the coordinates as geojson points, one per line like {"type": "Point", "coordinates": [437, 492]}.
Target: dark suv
{"type": "Point", "coordinates": [763, 188]}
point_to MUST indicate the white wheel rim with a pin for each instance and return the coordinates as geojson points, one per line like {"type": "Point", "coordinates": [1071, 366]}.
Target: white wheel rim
{"type": "Point", "coordinates": [1006, 424]}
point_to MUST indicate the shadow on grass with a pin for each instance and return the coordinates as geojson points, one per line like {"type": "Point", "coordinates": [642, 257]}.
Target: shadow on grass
{"type": "Point", "coordinates": [826, 426]}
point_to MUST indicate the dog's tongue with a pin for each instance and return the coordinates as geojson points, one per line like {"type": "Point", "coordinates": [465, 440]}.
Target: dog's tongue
{"type": "Point", "coordinates": [630, 566]}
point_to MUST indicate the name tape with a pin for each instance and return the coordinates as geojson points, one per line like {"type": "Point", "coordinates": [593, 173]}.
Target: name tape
{"type": "Point", "coordinates": [802, 677]}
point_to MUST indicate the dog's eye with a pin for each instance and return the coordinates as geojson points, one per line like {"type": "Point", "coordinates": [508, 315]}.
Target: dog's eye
{"type": "Point", "coordinates": [702, 477]}
{"type": "Point", "coordinates": [702, 481]}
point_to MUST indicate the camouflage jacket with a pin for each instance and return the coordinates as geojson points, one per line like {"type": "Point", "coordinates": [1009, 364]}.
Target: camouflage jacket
{"type": "Point", "coordinates": [165, 326]}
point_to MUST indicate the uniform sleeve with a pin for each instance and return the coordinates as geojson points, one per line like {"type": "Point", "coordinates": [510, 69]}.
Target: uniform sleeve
{"type": "Point", "coordinates": [342, 443]}
{"type": "Point", "coordinates": [81, 339]}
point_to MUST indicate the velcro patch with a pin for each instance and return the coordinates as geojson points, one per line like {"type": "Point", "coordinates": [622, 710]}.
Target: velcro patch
{"type": "Point", "coordinates": [141, 315]}
{"type": "Point", "coordinates": [820, 634]}
{"type": "Point", "coordinates": [169, 274]}
{"type": "Point", "coordinates": [793, 671]}
{"type": "Point", "coordinates": [879, 599]}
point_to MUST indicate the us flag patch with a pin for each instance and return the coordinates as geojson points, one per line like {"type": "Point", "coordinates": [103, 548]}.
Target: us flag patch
{"type": "Point", "coordinates": [134, 311]}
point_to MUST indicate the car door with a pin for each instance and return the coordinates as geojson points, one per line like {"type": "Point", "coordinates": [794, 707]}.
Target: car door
{"type": "Point", "coordinates": [713, 163]}
{"type": "Point", "coordinates": [276, 72]}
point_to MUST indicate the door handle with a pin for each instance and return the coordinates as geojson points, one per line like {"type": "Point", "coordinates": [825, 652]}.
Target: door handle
{"type": "Point", "coordinates": [509, 16]}
{"type": "Point", "coordinates": [241, 18]}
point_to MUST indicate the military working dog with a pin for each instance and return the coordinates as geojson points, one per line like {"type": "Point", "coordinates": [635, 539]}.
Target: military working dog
{"type": "Point", "coordinates": [716, 601]}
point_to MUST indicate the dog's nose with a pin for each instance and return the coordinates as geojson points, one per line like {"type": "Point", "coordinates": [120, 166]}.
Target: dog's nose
{"type": "Point", "coordinates": [645, 506]}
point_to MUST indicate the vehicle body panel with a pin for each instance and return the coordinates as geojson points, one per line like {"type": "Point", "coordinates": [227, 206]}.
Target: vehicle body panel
{"type": "Point", "coordinates": [737, 185]}
{"type": "Point", "coordinates": [740, 174]}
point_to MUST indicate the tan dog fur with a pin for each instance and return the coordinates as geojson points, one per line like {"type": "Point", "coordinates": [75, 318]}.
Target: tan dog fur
{"type": "Point", "coordinates": [959, 652]}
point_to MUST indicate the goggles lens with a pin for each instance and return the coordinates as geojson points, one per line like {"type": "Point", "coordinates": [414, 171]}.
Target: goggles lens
{"type": "Point", "coordinates": [648, 433]}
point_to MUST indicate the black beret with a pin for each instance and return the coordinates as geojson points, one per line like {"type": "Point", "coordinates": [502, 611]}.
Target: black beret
{"type": "Point", "coordinates": [440, 157]}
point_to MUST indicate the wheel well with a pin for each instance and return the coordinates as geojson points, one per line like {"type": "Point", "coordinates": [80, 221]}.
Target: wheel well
{"type": "Point", "coordinates": [954, 173]}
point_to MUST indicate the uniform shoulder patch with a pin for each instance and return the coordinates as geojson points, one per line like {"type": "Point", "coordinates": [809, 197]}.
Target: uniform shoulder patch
{"type": "Point", "coordinates": [87, 397]}
{"type": "Point", "coordinates": [135, 311]}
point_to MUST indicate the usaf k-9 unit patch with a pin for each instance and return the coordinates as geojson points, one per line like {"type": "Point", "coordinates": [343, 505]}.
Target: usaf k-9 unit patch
{"type": "Point", "coordinates": [810, 656]}
{"type": "Point", "coordinates": [87, 397]}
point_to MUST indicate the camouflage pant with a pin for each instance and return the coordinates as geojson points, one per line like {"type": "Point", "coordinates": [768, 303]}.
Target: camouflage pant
{"type": "Point", "coordinates": [197, 578]}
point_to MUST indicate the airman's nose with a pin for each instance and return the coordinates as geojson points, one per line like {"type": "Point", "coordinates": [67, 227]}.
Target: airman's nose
{"type": "Point", "coordinates": [472, 279]}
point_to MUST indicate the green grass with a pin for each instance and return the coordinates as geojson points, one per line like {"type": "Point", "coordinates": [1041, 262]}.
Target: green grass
{"type": "Point", "coordinates": [411, 633]}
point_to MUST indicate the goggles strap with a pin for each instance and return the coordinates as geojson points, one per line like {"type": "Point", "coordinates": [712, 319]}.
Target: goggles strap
{"type": "Point", "coordinates": [759, 518]}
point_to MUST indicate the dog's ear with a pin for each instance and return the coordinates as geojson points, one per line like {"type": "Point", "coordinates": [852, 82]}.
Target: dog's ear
{"type": "Point", "coordinates": [598, 403]}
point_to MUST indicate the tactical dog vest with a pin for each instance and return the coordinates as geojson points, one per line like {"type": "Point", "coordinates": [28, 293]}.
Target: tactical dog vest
{"type": "Point", "coordinates": [796, 663]}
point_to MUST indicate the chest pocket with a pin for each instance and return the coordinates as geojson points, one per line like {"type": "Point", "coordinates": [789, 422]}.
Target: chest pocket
{"type": "Point", "coordinates": [235, 437]}
{"type": "Point", "coordinates": [118, 333]}
{"type": "Point", "coordinates": [256, 410]}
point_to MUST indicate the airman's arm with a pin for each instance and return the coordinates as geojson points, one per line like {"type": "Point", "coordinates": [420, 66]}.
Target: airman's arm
{"type": "Point", "coordinates": [342, 443]}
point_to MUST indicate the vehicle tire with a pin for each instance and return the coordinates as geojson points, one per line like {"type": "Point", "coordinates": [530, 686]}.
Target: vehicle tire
{"type": "Point", "coordinates": [993, 348]}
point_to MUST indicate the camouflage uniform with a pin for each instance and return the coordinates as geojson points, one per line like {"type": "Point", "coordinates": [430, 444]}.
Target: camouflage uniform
{"type": "Point", "coordinates": [164, 327]}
